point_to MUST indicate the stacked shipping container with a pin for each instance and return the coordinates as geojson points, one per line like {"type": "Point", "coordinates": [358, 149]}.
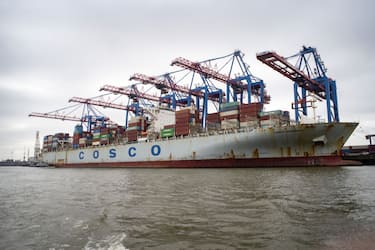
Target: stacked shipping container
{"type": "Point", "coordinates": [213, 121]}
{"type": "Point", "coordinates": [184, 118]}
{"type": "Point", "coordinates": [229, 115]}
{"type": "Point", "coordinates": [186, 121]}
{"type": "Point", "coordinates": [55, 142]}
{"type": "Point", "coordinates": [249, 114]}
{"type": "Point", "coordinates": [274, 118]}
{"type": "Point", "coordinates": [167, 131]}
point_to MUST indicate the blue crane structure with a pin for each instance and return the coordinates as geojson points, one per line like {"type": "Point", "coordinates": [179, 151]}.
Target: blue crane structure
{"type": "Point", "coordinates": [236, 85]}
{"type": "Point", "coordinates": [309, 74]}
{"type": "Point", "coordinates": [90, 117]}
{"type": "Point", "coordinates": [200, 90]}
{"type": "Point", "coordinates": [204, 87]}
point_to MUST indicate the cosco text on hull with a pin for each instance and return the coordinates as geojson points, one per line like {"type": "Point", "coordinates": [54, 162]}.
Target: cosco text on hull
{"type": "Point", "coordinates": [113, 153]}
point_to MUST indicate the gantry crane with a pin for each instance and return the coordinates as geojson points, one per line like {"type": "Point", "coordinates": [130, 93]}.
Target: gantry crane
{"type": "Point", "coordinates": [134, 94]}
{"type": "Point", "coordinates": [165, 83]}
{"type": "Point", "coordinates": [252, 85]}
{"type": "Point", "coordinates": [307, 76]}
{"type": "Point", "coordinates": [237, 83]}
{"type": "Point", "coordinates": [134, 107]}
{"type": "Point", "coordinates": [89, 115]}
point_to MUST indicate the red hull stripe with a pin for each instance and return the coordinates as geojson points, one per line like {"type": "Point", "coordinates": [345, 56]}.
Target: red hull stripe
{"type": "Point", "coordinates": [225, 163]}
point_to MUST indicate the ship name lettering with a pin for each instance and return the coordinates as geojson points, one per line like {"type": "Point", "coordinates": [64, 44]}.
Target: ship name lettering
{"type": "Point", "coordinates": [155, 150]}
{"type": "Point", "coordinates": [95, 154]}
{"type": "Point", "coordinates": [131, 151]}
{"type": "Point", "coordinates": [112, 153]}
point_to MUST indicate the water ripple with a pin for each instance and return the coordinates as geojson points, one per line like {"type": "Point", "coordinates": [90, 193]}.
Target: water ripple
{"type": "Point", "coordinates": [276, 208]}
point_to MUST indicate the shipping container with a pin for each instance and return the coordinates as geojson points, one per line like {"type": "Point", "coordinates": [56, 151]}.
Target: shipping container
{"type": "Point", "coordinates": [229, 106]}
{"type": "Point", "coordinates": [230, 124]}
{"type": "Point", "coordinates": [167, 132]}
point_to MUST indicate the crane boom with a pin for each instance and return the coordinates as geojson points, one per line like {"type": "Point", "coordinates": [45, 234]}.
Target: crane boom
{"type": "Point", "coordinates": [57, 116]}
{"type": "Point", "coordinates": [309, 74]}
{"type": "Point", "coordinates": [129, 92]}
{"type": "Point", "coordinates": [281, 65]}
{"type": "Point", "coordinates": [101, 103]}
{"type": "Point", "coordinates": [164, 84]}
{"type": "Point", "coordinates": [159, 83]}
{"type": "Point", "coordinates": [208, 73]}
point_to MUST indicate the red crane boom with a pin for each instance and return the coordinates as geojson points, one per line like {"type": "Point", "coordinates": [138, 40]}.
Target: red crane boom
{"type": "Point", "coordinates": [281, 65]}
{"type": "Point", "coordinates": [57, 116]}
{"type": "Point", "coordinates": [101, 103]}
{"type": "Point", "coordinates": [163, 84]}
{"type": "Point", "coordinates": [208, 72]}
{"type": "Point", "coordinates": [159, 83]}
{"type": "Point", "coordinates": [129, 92]}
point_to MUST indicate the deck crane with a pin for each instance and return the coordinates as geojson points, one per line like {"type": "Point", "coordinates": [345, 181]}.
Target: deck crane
{"type": "Point", "coordinates": [253, 85]}
{"type": "Point", "coordinates": [307, 76]}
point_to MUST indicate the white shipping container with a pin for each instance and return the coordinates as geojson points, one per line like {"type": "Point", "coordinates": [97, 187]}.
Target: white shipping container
{"type": "Point", "coordinates": [228, 113]}
{"type": "Point", "coordinates": [230, 124]}
{"type": "Point", "coordinates": [269, 123]}
{"type": "Point", "coordinates": [82, 140]}
{"type": "Point", "coordinates": [249, 124]}
{"type": "Point", "coordinates": [163, 118]}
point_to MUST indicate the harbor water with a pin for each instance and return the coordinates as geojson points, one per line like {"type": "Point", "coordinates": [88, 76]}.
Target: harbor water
{"type": "Point", "coordinates": [260, 208]}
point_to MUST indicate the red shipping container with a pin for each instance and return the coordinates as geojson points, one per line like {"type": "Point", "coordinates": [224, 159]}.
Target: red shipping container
{"type": "Point", "coordinates": [169, 126]}
{"type": "Point", "coordinates": [228, 117]}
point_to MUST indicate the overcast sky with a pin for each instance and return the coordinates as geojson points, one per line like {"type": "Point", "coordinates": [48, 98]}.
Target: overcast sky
{"type": "Point", "coordinates": [53, 50]}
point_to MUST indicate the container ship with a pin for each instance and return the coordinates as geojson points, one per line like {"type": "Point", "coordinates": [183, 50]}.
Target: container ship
{"type": "Point", "coordinates": [207, 126]}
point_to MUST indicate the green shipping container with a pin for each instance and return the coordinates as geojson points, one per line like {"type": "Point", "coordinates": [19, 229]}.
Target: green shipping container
{"type": "Point", "coordinates": [105, 136]}
{"type": "Point", "coordinates": [229, 104]}
{"type": "Point", "coordinates": [167, 132]}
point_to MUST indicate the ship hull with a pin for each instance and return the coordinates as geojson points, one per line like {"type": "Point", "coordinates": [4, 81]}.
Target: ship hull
{"type": "Point", "coordinates": [299, 145]}
{"type": "Point", "coordinates": [224, 163]}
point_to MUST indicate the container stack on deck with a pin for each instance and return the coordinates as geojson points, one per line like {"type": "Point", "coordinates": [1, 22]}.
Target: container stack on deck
{"type": "Point", "coordinates": [249, 114]}
{"type": "Point", "coordinates": [213, 121]}
{"type": "Point", "coordinates": [168, 131]}
{"type": "Point", "coordinates": [274, 118]}
{"type": "Point", "coordinates": [55, 142]}
{"type": "Point", "coordinates": [96, 136]}
{"type": "Point", "coordinates": [229, 115]}
{"type": "Point", "coordinates": [138, 123]}
{"type": "Point", "coordinates": [137, 127]}
{"type": "Point", "coordinates": [132, 135]}
{"type": "Point", "coordinates": [184, 118]}
{"type": "Point", "coordinates": [104, 135]}
{"type": "Point", "coordinates": [47, 143]}
{"type": "Point", "coordinates": [77, 134]}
